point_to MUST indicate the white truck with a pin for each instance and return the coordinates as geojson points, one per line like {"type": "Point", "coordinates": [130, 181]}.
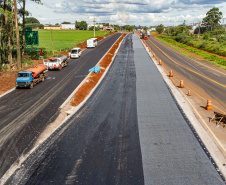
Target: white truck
{"type": "Point", "coordinates": [92, 43]}
{"type": "Point", "coordinates": [56, 62]}
{"type": "Point", "coordinates": [75, 53]}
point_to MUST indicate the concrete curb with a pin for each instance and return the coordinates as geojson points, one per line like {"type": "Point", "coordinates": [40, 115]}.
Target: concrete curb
{"type": "Point", "coordinates": [188, 109]}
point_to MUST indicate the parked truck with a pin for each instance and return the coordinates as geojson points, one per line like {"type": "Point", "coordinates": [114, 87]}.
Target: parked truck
{"type": "Point", "coordinates": [56, 62]}
{"type": "Point", "coordinates": [31, 76]}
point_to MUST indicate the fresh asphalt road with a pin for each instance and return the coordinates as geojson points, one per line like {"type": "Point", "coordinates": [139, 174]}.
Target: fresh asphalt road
{"type": "Point", "coordinates": [130, 131]}
{"type": "Point", "coordinates": [24, 113]}
{"type": "Point", "coordinates": [201, 77]}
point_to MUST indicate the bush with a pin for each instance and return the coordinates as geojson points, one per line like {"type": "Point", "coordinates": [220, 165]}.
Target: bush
{"type": "Point", "coordinates": [206, 37]}
{"type": "Point", "coordinates": [223, 37]}
{"type": "Point", "coordinates": [34, 53]}
{"type": "Point", "coordinates": [181, 37]}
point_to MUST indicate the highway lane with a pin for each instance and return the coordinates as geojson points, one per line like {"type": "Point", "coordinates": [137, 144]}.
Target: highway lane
{"type": "Point", "coordinates": [201, 77]}
{"type": "Point", "coordinates": [101, 144]}
{"type": "Point", "coordinates": [25, 113]}
{"type": "Point", "coordinates": [130, 131]}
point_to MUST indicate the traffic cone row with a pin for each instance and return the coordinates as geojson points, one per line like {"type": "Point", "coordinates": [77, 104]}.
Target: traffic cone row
{"type": "Point", "coordinates": [207, 107]}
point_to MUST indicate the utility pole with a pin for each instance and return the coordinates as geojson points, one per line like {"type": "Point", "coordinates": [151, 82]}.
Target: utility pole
{"type": "Point", "coordinates": [199, 29]}
{"type": "Point", "coordinates": [94, 26]}
{"type": "Point", "coordinates": [52, 39]}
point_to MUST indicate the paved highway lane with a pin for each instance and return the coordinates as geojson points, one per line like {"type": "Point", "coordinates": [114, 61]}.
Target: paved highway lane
{"type": "Point", "coordinates": [201, 77]}
{"type": "Point", "coordinates": [130, 131]}
{"type": "Point", "coordinates": [25, 113]}
{"type": "Point", "coordinates": [102, 144]}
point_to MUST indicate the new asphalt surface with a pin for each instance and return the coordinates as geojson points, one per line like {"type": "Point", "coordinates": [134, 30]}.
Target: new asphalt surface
{"type": "Point", "coordinates": [24, 113]}
{"type": "Point", "coordinates": [130, 131]}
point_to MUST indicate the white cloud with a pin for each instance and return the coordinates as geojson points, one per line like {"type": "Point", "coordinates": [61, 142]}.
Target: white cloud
{"type": "Point", "coordinates": [133, 12]}
{"type": "Point", "coordinates": [58, 5]}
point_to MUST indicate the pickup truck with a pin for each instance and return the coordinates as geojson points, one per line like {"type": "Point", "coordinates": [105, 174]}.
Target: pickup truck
{"type": "Point", "coordinates": [56, 62]}
{"type": "Point", "coordinates": [31, 76]}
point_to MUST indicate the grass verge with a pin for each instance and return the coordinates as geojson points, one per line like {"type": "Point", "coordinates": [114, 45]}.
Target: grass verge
{"type": "Point", "coordinates": [207, 56]}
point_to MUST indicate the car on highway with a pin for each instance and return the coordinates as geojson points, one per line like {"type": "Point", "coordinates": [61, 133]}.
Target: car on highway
{"type": "Point", "coordinates": [75, 53]}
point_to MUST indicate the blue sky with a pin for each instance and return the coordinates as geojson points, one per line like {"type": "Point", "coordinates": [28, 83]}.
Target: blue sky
{"type": "Point", "coordinates": [121, 12]}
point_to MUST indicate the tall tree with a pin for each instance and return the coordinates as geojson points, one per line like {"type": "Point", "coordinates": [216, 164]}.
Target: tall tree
{"type": "Point", "coordinates": [83, 25]}
{"type": "Point", "coordinates": [7, 4]}
{"type": "Point", "coordinates": [17, 36]}
{"type": "Point", "coordinates": [213, 17]}
{"type": "Point", "coordinates": [160, 28]}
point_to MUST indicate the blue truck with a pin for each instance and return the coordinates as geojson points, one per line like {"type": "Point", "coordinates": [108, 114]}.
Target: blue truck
{"type": "Point", "coordinates": [31, 76]}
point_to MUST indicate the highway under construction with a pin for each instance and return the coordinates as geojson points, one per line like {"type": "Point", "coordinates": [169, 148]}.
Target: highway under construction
{"type": "Point", "coordinates": [135, 128]}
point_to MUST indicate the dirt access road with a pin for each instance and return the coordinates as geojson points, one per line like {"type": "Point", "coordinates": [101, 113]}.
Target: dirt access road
{"type": "Point", "coordinates": [25, 113]}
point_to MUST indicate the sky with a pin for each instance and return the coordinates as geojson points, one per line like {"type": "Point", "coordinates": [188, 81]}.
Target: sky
{"type": "Point", "coordinates": [124, 12]}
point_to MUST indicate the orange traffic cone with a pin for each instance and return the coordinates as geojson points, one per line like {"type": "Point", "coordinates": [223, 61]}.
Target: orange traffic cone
{"type": "Point", "coordinates": [160, 62]}
{"type": "Point", "coordinates": [189, 92]}
{"type": "Point", "coordinates": [181, 84]}
{"type": "Point", "coordinates": [171, 74]}
{"type": "Point", "coordinates": [208, 106]}
{"type": "Point", "coordinates": [153, 55]}
{"type": "Point", "coordinates": [149, 49]}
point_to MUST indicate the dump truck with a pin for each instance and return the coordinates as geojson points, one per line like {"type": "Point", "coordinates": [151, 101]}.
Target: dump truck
{"type": "Point", "coordinates": [56, 62]}
{"type": "Point", "coordinates": [31, 76]}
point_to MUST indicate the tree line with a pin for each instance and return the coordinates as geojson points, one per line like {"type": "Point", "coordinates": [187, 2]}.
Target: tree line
{"type": "Point", "coordinates": [211, 24]}
{"type": "Point", "coordinates": [12, 45]}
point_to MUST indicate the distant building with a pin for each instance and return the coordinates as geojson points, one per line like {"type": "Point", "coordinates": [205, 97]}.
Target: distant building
{"type": "Point", "coordinates": [52, 27]}
{"type": "Point", "coordinates": [96, 26]}
{"type": "Point", "coordinates": [108, 28]}
{"type": "Point", "coordinates": [197, 24]}
{"type": "Point", "coordinates": [68, 26]}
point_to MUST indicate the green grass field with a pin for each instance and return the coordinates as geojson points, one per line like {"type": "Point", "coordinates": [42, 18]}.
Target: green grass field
{"type": "Point", "coordinates": [64, 39]}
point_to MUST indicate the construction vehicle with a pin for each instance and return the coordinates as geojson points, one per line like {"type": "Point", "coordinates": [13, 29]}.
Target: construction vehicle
{"type": "Point", "coordinates": [31, 76]}
{"type": "Point", "coordinates": [144, 36]}
{"type": "Point", "coordinates": [56, 62]}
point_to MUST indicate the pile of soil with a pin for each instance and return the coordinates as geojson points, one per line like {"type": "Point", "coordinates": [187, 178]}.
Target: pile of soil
{"type": "Point", "coordinates": [94, 78]}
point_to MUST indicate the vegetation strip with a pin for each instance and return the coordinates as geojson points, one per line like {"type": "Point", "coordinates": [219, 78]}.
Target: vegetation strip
{"type": "Point", "coordinates": [209, 57]}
